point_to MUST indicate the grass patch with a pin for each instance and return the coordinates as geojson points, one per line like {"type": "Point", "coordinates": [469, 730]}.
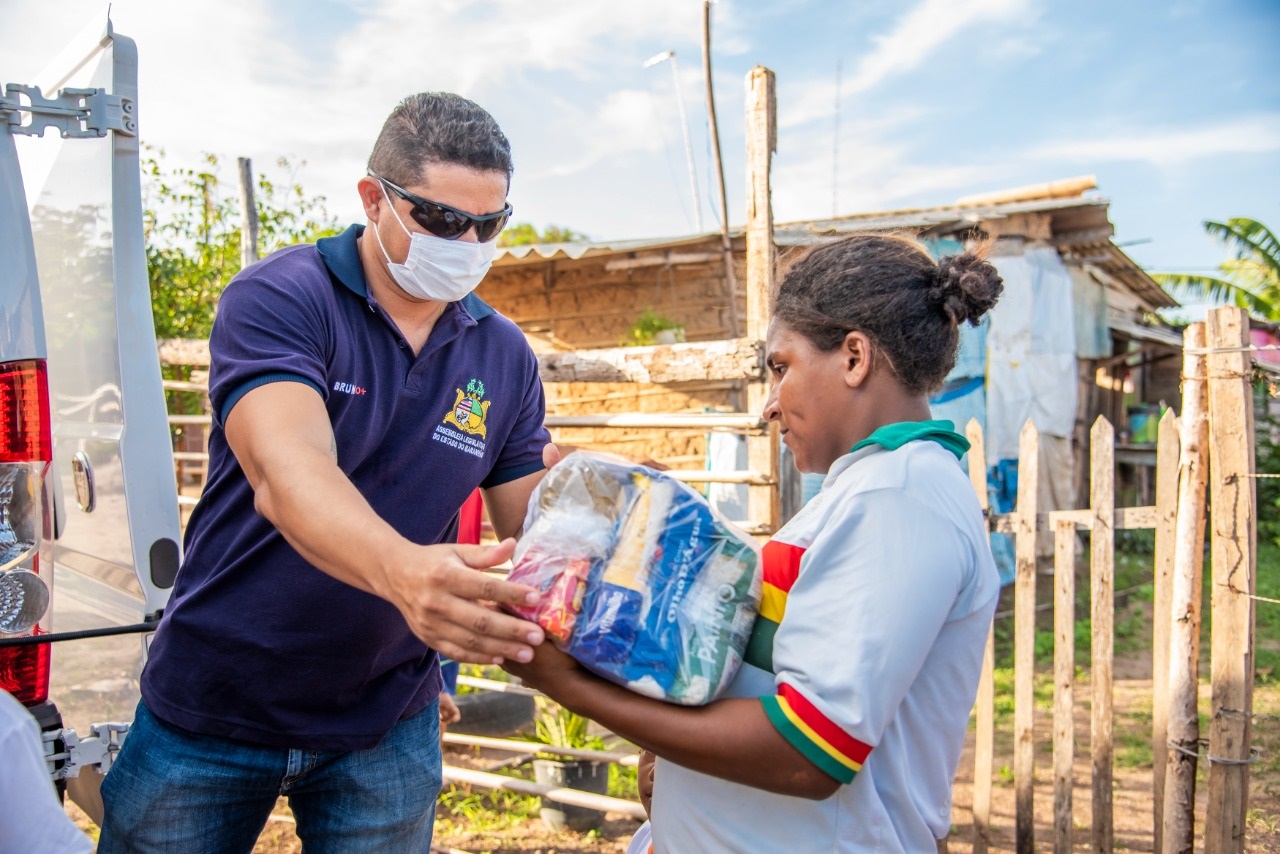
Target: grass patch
{"type": "Point", "coordinates": [486, 812]}
{"type": "Point", "coordinates": [1133, 747]}
{"type": "Point", "coordinates": [1267, 650]}
{"type": "Point", "coordinates": [622, 782]}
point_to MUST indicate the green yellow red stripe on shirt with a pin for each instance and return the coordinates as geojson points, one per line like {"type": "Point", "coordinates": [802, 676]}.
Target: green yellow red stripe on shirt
{"type": "Point", "coordinates": [823, 743]}
{"type": "Point", "coordinates": [781, 566]}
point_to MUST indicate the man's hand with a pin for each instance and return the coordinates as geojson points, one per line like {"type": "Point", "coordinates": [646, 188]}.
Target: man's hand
{"type": "Point", "coordinates": [448, 602]}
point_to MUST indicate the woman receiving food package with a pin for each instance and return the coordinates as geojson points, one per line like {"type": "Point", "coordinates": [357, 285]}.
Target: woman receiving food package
{"type": "Point", "coordinates": [644, 583]}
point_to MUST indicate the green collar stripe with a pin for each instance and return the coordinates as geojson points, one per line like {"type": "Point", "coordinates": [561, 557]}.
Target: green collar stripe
{"type": "Point", "coordinates": [894, 436]}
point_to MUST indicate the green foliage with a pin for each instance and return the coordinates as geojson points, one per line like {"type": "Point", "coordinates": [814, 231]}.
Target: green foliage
{"type": "Point", "coordinates": [1250, 279]}
{"type": "Point", "coordinates": [644, 331]}
{"type": "Point", "coordinates": [622, 782]}
{"type": "Point", "coordinates": [1133, 748]}
{"type": "Point", "coordinates": [558, 727]}
{"type": "Point", "coordinates": [526, 234]}
{"type": "Point", "coordinates": [191, 224]}
{"type": "Point", "coordinates": [1267, 651]}
{"type": "Point", "coordinates": [1267, 461]}
{"type": "Point", "coordinates": [492, 811]}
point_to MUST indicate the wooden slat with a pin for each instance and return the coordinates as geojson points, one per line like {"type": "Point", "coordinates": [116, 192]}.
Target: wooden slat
{"type": "Point", "coordinates": [1178, 811]}
{"type": "Point", "coordinates": [753, 478]}
{"type": "Point", "coordinates": [1166, 520]}
{"type": "Point", "coordinates": [199, 420]}
{"type": "Point", "coordinates": [554, 793]}
{"type": "Point", "coordinates": [183, 351]}
{"type": "Point", "coordinates": [1024, 640]}
{"type": "Point", "coordinates": [1102, 615]}
{"type": "Point", "coordinates": [984, 736]}
{"type": "Point", "coordinates": [184, 385]}
{"type": "Point", "coordinates": [733, 359]}
{"type": "Point", "coordinates": [1126, 518]}
{"type": "Point", "coordinates": [1234, 532]}
{"type": "Point", "coordinates": [630, 758]}
{"type": "Point", "coordinates": [674, 421]}
{"type": "Point", "coordinates": [496, 686]}
{"type": "Point", "coordinates": [1064, 667]}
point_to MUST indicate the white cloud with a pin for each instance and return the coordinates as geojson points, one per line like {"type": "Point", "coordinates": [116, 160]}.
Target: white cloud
{"type": "Point", "coordinates": [921, 31]}
{"type": "Point", "coordinates": [1171, 146]}
{"type": "Point", "coordinates": [915, 37]}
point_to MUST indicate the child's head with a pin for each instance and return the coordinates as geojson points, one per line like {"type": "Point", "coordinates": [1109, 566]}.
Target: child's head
{"type": "Point", "coordinates": [890, 289]}
{"type": "Point", "coordinates": [863, 329]}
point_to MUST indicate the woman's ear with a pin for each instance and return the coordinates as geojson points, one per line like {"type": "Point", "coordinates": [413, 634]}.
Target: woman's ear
{"type": "Point", "coordinates": [856, 352]}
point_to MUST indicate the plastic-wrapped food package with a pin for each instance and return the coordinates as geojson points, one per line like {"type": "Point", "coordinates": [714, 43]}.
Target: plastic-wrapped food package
{"type": "Point", "coordinates": [643, 583]}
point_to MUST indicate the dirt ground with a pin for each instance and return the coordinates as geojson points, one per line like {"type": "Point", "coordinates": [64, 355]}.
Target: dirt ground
{"type": "Point", "coordinates": [1132, 801]}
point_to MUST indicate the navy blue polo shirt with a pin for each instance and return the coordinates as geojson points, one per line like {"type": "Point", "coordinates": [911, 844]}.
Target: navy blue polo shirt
{"type": "Point", "coordinates": [257, 644]}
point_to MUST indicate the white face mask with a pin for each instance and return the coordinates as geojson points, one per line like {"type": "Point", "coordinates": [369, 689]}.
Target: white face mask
{"type": "Point", "coordinates": [438, 269]}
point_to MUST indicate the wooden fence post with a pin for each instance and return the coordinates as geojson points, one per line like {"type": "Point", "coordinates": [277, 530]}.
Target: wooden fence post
{"type": "Point", "coordinates": [1183, 735]}
{"type": "Point", "coordinates": [248, 215]}
{"type": "Point", "coordinates": [764, 502]}
{"type": "Point", "coordinates": [984, 737]}
{"type": "Point", "coordinates": [1024, 640]}
{"type": "Point", "coordinates": [1102, 541]}
{"type": "Point", "coordinates": [1234, 548]}
{"type": "Point", "coordinates": [1064, 666]}
{"type": "Point", "coordinates": [1166, 517]}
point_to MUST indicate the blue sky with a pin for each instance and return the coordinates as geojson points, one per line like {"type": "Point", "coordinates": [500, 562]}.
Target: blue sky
{"type": "Point", "coordinates": [1174, 106]}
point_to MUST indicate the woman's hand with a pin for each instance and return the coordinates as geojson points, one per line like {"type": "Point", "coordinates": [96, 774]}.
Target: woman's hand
{"type": "Point", "coordinates": [549, 670]}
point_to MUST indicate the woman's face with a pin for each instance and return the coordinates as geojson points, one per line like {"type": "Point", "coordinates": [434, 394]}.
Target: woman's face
{"type": "Point", "coordinates": [809, 398]}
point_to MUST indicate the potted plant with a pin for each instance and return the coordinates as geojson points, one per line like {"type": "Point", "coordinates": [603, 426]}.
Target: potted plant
{"type": "Point", "coordinates": [652, 328]}
{"type": "Point", "coordinates": [556, 726]}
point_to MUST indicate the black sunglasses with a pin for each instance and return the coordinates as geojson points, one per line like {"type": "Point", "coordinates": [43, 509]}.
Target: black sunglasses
{"type": "Point", "coordinates": [444, 221]}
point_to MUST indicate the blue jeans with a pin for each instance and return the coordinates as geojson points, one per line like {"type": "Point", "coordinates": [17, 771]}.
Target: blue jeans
{"type": "Point", "coordinates": [174, 790]}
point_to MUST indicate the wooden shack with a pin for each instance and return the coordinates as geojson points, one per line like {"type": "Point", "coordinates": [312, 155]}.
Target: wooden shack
{"type": "Point", "coordinates": [578, 297]}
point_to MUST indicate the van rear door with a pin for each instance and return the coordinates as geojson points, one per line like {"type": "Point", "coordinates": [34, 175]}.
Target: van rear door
{"type": "Point", "coordinates": [116, 528]}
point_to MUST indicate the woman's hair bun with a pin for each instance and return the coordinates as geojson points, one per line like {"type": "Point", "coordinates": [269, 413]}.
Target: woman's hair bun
{"type": "Point", "coordinates": [967, 286]}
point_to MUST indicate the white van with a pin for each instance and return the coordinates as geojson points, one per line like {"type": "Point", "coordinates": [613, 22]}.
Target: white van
{"type": "Point", "coordinates": [89, 530]}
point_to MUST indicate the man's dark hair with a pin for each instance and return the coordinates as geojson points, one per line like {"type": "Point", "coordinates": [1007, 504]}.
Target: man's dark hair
{"type": "Point", "coordinates": [892, 291]}
{"type": "Point", "coordinates": [438, 127]}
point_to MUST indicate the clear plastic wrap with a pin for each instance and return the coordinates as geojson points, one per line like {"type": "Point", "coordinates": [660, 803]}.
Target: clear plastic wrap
{"type": "Point", "coordinates": [643, 583]}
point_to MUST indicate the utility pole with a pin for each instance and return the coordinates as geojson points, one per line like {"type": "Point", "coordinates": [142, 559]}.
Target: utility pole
{"type": "Point", "coordinates": [726, 245]}
{"type": "Point", "coordinates": [684, 126]}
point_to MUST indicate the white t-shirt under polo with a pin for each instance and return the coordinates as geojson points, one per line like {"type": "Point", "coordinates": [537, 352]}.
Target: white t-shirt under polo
{"type": "Point", "coordinates": [878, 598]}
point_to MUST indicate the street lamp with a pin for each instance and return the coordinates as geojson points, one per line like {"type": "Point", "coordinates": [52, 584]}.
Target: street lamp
{"type": "Point", "coordinates": [658, 59]}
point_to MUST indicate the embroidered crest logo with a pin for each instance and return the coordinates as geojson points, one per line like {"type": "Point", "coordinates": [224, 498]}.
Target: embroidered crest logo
{"type": "Point", "coordinates": [469, 410]}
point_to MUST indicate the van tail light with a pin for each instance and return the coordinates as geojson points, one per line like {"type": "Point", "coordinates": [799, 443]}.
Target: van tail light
{"type": "Point", "coordinates": [26, 527]}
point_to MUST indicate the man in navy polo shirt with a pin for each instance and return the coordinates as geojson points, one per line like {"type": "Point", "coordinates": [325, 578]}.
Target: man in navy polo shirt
{"type": "Point", "coordinates": [361, 392]}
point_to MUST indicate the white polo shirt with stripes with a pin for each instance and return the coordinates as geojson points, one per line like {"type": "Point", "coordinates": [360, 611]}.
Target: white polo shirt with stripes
{"type": "Point", "coordinates": [878, 598]}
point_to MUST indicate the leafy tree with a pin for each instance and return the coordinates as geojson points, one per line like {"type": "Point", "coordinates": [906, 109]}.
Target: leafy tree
{"type": "Point", "coordinates": [191, 224]}
{"type": "Point", "coordinates": [525, 234]}
{"type": "Point", "coordinates": [1250, 279]}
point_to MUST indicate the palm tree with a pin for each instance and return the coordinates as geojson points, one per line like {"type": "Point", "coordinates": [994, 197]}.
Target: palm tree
{"type": "Point", "coordinates": [1251, 279]}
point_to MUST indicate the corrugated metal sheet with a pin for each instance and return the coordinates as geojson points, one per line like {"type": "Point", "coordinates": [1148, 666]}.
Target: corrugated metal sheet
{"type": "Point", "coordinates": [1081, 226]}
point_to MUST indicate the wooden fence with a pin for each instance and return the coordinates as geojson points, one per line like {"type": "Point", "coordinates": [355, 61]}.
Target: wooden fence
{"type": "Point", "coordinates": [1210, 447]}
